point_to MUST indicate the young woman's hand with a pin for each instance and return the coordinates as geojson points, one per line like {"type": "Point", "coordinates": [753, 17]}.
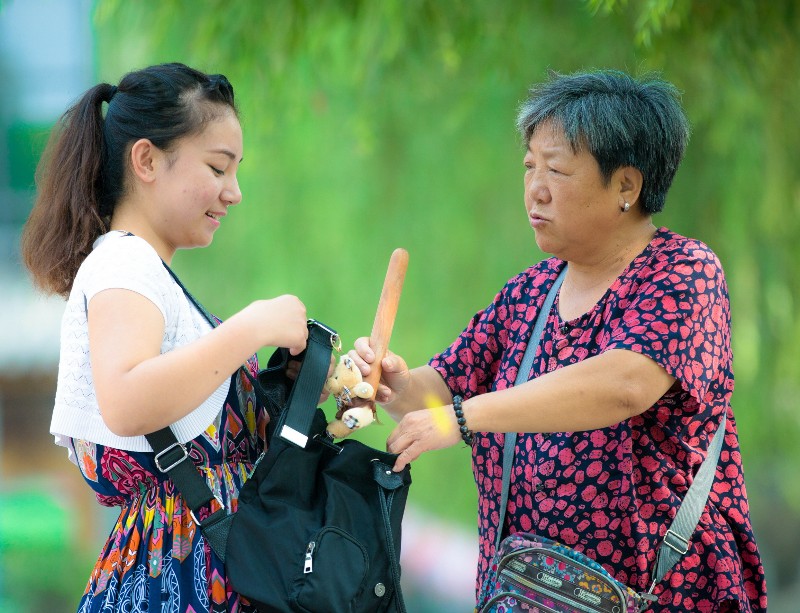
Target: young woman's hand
{"type": "Point", "coordinates": [293, 369]}
{"type": "Point", "coordinates": [281, 322]}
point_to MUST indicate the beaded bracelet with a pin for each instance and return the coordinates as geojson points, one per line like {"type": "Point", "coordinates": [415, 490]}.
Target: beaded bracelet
{"type": "Point", "coordinates": [466, 433]}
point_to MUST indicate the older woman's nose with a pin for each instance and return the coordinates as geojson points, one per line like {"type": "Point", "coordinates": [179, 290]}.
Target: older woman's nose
{"type": "Point", "coordinates": [537, 189]}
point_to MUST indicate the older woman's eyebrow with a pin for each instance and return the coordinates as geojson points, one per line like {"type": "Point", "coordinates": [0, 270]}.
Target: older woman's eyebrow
{"type": "Point", "coordinates": [549, 152]}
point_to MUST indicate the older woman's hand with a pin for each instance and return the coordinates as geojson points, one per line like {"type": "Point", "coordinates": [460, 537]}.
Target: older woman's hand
{"type": "Point", "coordinates": [395, 375]}
{"type": "Point", "coordinates": [423, 430]}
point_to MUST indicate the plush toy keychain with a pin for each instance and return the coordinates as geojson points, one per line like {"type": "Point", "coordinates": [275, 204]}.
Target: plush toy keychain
{"type": "Point", "coordinates": [346, 383]}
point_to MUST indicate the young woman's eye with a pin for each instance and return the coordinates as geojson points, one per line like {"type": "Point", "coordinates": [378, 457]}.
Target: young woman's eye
{"type": "Point", "coordinates": [217, 171]}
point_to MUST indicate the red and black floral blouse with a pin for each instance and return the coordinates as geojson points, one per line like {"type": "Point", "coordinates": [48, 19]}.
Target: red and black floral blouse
{"type": "Point", "coordinates": [611, 493]}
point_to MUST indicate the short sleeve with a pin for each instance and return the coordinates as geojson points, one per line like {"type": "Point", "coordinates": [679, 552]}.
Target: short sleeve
{"type": "Point", "coordinates": [679, 316]}
{"type": "Point", "coordinates": [127, 262]}
{"type": "Point", "coordinates": [470, 365]}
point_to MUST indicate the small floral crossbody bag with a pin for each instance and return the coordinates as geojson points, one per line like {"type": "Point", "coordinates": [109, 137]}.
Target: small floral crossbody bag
{"type": "Point", "coordinates": [536, 574]}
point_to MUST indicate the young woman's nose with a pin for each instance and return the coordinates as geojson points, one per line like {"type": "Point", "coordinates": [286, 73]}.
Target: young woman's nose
{"type": "Point", "coordinates": [232, 194]}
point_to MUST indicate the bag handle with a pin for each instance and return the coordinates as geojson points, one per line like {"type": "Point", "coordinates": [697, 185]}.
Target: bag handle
{"type": "Point", "coordinates": [675, 543]}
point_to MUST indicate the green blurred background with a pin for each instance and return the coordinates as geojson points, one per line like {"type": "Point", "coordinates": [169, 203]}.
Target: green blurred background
{"type": "Point", "coordinates": [371, 125]}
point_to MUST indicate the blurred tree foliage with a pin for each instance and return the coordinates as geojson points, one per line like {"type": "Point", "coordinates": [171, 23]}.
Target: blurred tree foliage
{"type": "Point", "coordinates": [375, 124]}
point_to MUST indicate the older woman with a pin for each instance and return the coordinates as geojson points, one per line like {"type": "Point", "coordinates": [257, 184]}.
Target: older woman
{"type": "Point", "coordinates": [633, 373]}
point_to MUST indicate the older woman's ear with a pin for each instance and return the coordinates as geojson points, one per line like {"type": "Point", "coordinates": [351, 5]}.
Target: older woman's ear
{"type": "Point", "coordinates": [630, 186]}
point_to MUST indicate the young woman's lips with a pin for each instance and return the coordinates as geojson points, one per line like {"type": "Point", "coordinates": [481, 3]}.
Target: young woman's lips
{"type": "Point", "coordinates": [215, 217]}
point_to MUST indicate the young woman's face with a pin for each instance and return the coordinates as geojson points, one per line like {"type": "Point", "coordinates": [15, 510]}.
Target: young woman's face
{"type": "Point", "coordinates": [569, 206]}
{"type": "Point", "coordinates": [197, 183]}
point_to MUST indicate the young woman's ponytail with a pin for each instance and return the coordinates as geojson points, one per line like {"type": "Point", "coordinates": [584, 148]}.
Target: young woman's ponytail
{"type": "Point", "coordinates": [66, 217]}
{"type": "Point", "coordinates": [82, 174]}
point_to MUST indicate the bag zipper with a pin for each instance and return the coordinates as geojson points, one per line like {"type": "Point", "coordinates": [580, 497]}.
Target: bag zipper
{"type": "Point", "coordinates": [543, 608]}
{"type": "Point", "coordinates": [309, 563]}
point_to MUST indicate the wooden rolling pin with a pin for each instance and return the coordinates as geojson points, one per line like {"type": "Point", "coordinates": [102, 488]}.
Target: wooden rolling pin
{"type": "Point", "coordinates": [358, 417]}
{"type": "Point", "coordinates": [386, 313]}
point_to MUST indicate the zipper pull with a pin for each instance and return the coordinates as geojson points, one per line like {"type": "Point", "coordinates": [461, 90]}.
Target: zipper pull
{"type": "Point", "coordinates": [308, 566]}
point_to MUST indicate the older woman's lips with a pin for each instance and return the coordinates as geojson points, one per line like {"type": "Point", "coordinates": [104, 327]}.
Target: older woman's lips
{"type": "Point", "coordinates": [537, 222]}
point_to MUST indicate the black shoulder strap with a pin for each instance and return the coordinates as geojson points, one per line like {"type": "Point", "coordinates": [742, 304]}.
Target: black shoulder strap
{"type": "Point", "coordinates": [173, 459]}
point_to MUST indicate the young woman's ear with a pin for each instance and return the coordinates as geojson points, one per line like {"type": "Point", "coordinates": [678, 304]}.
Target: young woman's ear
{"type": "Point", "coordinates": [144, 156]}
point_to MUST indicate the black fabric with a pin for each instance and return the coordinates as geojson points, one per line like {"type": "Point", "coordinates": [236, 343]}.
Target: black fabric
{"type": "Point", "coordinates": [344, 498]}
{"type": "Point", "coordinates": [335, 500]}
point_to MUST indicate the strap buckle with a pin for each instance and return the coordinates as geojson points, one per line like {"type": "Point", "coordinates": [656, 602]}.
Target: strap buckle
{"type": "Point", "coordinates": [222, 508]}
{"type": "Point", "coordinates": [336, 341]}
{"type": "Point", "coordinates": [679, 542]}
{"type": "Point", "coordinates": [171, 463]}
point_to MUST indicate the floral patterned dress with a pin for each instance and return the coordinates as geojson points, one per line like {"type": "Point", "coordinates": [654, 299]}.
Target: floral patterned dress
{"type": "Point", "coordinates": [156, 558]}
{"type": "Point", "coordinates": [611, 493]}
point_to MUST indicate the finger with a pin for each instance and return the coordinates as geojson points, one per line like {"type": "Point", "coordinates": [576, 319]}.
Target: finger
{"type": "Point", "coordinates": [362, 365]}
{"type": "Point", "coordinates": [364, 350]}
{"type": "Point", "coordinates": [397, 440]}
{"type": "Point", "coordinates": [404, 459]}
{"type": "Point", "coordinates": [384, 394]}
{"type": "Point", "coordinates": [391, 363]}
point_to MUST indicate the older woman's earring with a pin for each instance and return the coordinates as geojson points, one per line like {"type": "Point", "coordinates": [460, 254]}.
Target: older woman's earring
{"type": "Point", "coordinates": [627, 207]}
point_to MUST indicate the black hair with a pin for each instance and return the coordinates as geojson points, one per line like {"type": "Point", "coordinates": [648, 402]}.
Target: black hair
{"type": "Point", "coordinates": [82, 175]}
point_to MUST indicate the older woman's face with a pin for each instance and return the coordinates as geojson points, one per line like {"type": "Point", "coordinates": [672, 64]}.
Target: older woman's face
{"type": "Point", "coordinates": [571, 210]}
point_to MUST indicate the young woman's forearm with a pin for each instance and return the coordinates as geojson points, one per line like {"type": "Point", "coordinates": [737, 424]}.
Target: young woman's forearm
{"type": "Point", "coordinates": [162, 389]}
{"type": "Point", "coordinates": [140, 390]}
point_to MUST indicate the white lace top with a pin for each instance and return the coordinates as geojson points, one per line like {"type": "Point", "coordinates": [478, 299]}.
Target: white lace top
{"type": "Point", "coordinates": [125, 262]}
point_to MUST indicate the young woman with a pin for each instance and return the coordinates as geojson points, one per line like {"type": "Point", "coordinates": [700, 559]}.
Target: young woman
{"type": "Point", "coordinates": [119, 192]}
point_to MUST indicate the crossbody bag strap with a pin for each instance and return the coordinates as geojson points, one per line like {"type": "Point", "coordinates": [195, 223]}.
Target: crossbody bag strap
{"type": "Point", "coordinates": [522, 376]}
{"type": "Point", "coordinates": [676, 540]}
{"type": "Point", "coordinates": [173, 459]}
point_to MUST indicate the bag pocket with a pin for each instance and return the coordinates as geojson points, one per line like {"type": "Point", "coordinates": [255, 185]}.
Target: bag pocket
{"type": "Point", "coordinates": [547, 580]}
{"type": "Point", "coordinates": [513, 601]}
{"type": "Point", "coordinates": [334, 572]}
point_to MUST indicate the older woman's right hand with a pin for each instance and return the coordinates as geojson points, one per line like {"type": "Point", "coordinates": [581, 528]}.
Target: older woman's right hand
{"type": "Point", "coordinates": [395, 375]}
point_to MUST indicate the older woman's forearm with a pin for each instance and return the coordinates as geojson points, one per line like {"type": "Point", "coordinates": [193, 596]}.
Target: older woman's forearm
{"type": "Point", "coordinates": [425, 389]}
{"type": "Point", "coordinates": [595, 393]}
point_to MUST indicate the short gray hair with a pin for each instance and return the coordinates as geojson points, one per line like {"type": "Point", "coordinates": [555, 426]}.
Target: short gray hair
{"type": "Point", "coordinates": [620, 120]}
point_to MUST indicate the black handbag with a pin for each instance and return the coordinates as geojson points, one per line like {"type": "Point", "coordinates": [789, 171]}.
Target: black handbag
{"type": "Point", "coordinates": [317, 528]}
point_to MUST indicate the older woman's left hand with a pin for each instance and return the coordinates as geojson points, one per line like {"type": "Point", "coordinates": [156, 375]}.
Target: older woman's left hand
{"type": "Point", "coordinates": [420, 431]}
